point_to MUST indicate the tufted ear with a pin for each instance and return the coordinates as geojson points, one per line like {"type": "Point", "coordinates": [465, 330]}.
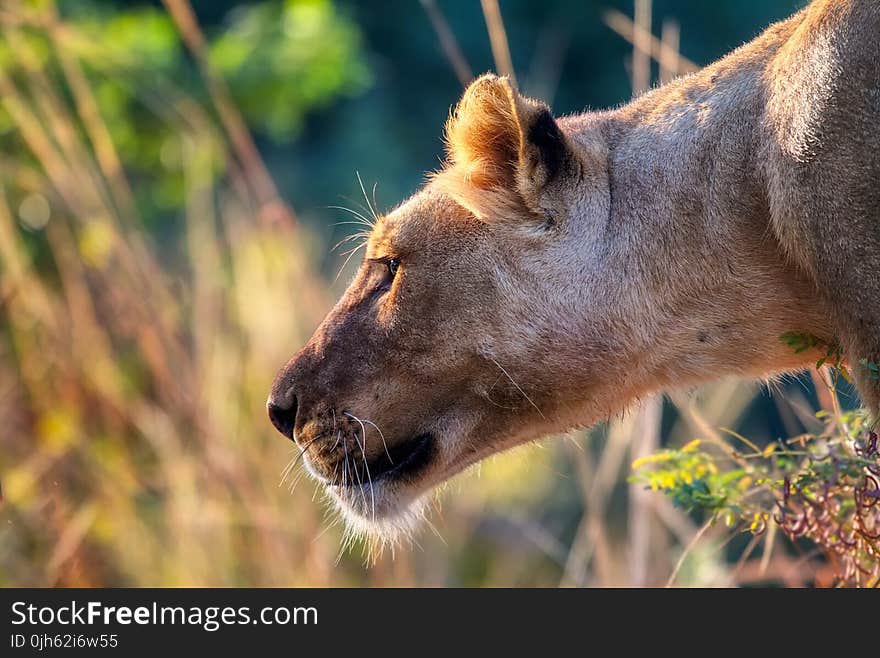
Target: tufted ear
{"type": "Point", "coordinates": [500, 142]}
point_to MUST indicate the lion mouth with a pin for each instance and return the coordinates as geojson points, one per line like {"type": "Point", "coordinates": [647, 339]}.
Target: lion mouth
{"type": "Point", "coordinates": [403, 461]}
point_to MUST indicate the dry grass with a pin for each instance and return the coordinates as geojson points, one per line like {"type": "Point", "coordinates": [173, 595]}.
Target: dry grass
{"type": "Point", "coordinates": [135, 448]}
{"type": "Point", "coordinates": [133, 377]}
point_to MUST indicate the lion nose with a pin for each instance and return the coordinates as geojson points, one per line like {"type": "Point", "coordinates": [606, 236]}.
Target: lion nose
{"type": "Point", "coordinates": [283, 415]}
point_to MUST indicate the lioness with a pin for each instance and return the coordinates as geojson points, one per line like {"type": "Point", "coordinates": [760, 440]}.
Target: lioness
{"type": "Point", "coordinates": [557, 269]}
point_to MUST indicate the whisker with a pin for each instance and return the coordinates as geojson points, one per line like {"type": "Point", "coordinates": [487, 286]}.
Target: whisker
{"type": "Point", "coordinates": [362, 220]}
{"type": "Point", "coordinates": [349, 238]}
{"type": "Point", "coordinates": [375, 205]}
{"type": "Point", "coordinates": [353, 211]}
{"type": "Point", "coordinates": [359, 234]}
{"type": "Point", "coordinates": [344, 465]}
{"type": "Point", "coordinates": [354, 236]}
{"type": "Point", "coordinates": [338, 438]}
{"type": "Point", "coordinates": [506, 374]}
{"type": "Point", "coordinates": [357, 473]}
{"type": "Point", "coordinates": [367, 466]}
{"type": "Point", "coordinates": [323, 532]}
{"type": "Point", "coordinates": [434, 529]}
{"type": "Point", "coordinates": [351, 253]}
{"type": "Point", "coordinates": [352, 250]}
{"type": "Point", "coordinates": [343, 545]}
{"type": "Point", "coordinates": [371, 423]}
{"type": "Point", "coordinates": [366, 198]}
{"type": "Point", "coordinates": [299, 477]}
{"type": "Point", "coordinates": [487, 395]}
{"type": "Point", "coordinates": [348, 223]}
{"type": "Point", "coordinates": [362, 207]}
{"type": "Point", "coordinates": [287, 469]}
{"type": "Point", "coordinates": [363, 429]}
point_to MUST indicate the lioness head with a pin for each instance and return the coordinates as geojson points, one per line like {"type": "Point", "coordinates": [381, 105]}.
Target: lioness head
{"type": "Point", "coordinates": [506, 301]}
{"type": "Point", "coordinates": [454, 340]}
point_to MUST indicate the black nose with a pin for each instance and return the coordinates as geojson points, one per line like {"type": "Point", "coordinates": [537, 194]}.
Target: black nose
{"type": "Point", "coordinates": [283, 416]}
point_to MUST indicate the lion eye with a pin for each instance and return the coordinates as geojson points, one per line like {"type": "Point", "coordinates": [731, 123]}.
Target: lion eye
{"type": "Point", "coordinates": [393, 265]}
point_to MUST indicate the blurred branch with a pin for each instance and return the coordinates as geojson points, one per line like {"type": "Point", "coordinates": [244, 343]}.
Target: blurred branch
{"type": "Point", "coordinates": [625, 27]}
{"type": "Point", "coordinates": [258, 175]}
{"type": "Point", "coordinates": [675, 519]}
{"type": "Point", "coordinates": [645, 441]}
{"type": "Point", "coordinates": [545, 70]}
{"type": "Point", "coordinates": [498, 39]}
{"type": "Point", "coordinates": [70, 540]}
{"type": "Point", "coordinates": [641, 66]}
{"type": "Point", "coordinates": [791, 572]}
{"type": "Point", "coordinates": [669, 55]}
{"type": "Point", "coordinates": [512, 528]}
{"type": "Point", "coordinates": [448, 42]}
{"type": "Point", "coordinates": [823, 382]}
{"type": "Point", "coordinates": [590, 539]}
{"type": "Point", "coordinates": [87, 108]}
{"type": "Point", "coordinates": [687, 551]}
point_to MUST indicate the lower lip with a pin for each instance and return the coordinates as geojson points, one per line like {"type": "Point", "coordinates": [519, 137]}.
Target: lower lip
{"type": "Point", "coordinates": [415, 460]}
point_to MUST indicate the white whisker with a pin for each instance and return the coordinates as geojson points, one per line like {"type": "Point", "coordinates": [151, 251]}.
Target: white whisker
{"type": "Point", "coordinates": [364, 221]}
{"type": "Point", "coordinates": [366, 198]}
{"type": "Point", "coordinates": [351, 253]}
{"type": "Point", "coordinates": [367, 467]}
{"type": "Point", "coordinates": [372, 424]}
{"type": "Point", "coordinates": [286, 471]}
{"type": "Point", "coordinates": [362, 207]}
{"type": "Point", "coordinates": [357, 472]}
{"type": "Point", "coordinates": [506, 374]}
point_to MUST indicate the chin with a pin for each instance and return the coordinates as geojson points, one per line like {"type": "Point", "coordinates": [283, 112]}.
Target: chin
{"type": "Point", "coordinates": [383, 514]}
{"type": "Point", "coordinates": [390, 505]}
{"type": "Point", "coordinates": [383, 510]}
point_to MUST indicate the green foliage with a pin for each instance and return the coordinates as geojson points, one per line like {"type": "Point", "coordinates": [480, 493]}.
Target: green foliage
{"type": "Point", "coordinates": [822, 487]}
{"type": "Point", "coordinates": [801, 342]}
{"type": "Point", "coordinates": [687, 475]}
{"type": "Point", "coordinates": [138, 37]}
{"type": "Point", "coordinates": [872, 370]}
{"type": "Point", "coordinates": [283, 59]}
{"type": "Point", "coordinates": [280, 60]}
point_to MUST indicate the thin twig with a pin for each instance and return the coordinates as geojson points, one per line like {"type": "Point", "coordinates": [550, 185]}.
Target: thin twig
{"type": "Point", "coordinates": [257, 174]}
{"type": "Point", "coordinates": [625, 27]}
{"type": "Point", "coordinates": [669, 56]}
{"type": "Point", "coordinates": [590, 540]}
{"type": "Point", "coordinates": [645, 442]}
{"type": "Point", "coordinates": [448, 43]}
{"type": "Point", "coordinates": [545, 70]}
{"type": "Point", "coordinates": [687, 551]}
{"type": "Point", "coordinates": [498, 39]}
{"type": "Point", "coordinates": [641, 63]}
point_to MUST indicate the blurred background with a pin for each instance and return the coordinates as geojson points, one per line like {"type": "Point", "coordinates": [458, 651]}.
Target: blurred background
{"type": "Point", "coordinates": [167, 172]}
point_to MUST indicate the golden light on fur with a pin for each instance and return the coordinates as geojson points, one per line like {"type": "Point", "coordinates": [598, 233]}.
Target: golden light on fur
{"type": "Point", "coordinates": [670, 242]}
{"type": "Point", "coordinates": [491, 165]}
{"type": "Point", "coordinates": [483, 134]}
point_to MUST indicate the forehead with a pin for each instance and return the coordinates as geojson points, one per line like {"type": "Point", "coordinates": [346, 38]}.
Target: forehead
{"type": "Point", "coordinates": [423, 219]}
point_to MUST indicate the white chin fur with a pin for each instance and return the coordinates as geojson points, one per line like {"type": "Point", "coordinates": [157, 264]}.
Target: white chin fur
{"type": "Point", "coordinates": [382, 516]}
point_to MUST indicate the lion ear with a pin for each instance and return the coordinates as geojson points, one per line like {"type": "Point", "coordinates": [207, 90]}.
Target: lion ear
{"type": "Point", "coordinates": [501, 141]}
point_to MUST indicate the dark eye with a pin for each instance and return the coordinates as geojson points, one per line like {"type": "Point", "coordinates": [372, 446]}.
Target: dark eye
{"type": "Point", "coordinates": [393, 265]}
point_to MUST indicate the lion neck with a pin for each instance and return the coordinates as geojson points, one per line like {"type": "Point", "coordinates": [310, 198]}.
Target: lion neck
{"type": "Point", "coordinates": [685, 281]}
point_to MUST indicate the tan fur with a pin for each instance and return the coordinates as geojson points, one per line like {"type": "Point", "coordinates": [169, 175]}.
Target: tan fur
{"type": "Point", "coordinates": [554, 271]}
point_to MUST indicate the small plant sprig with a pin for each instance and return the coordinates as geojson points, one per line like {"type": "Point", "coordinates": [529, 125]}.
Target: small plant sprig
{"type": "Point", "coordinates": [821, 487]}
{"type": "Point", "coordinates": [872, 370]}
{"type": "Point", "coordinates": [801, 342]}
